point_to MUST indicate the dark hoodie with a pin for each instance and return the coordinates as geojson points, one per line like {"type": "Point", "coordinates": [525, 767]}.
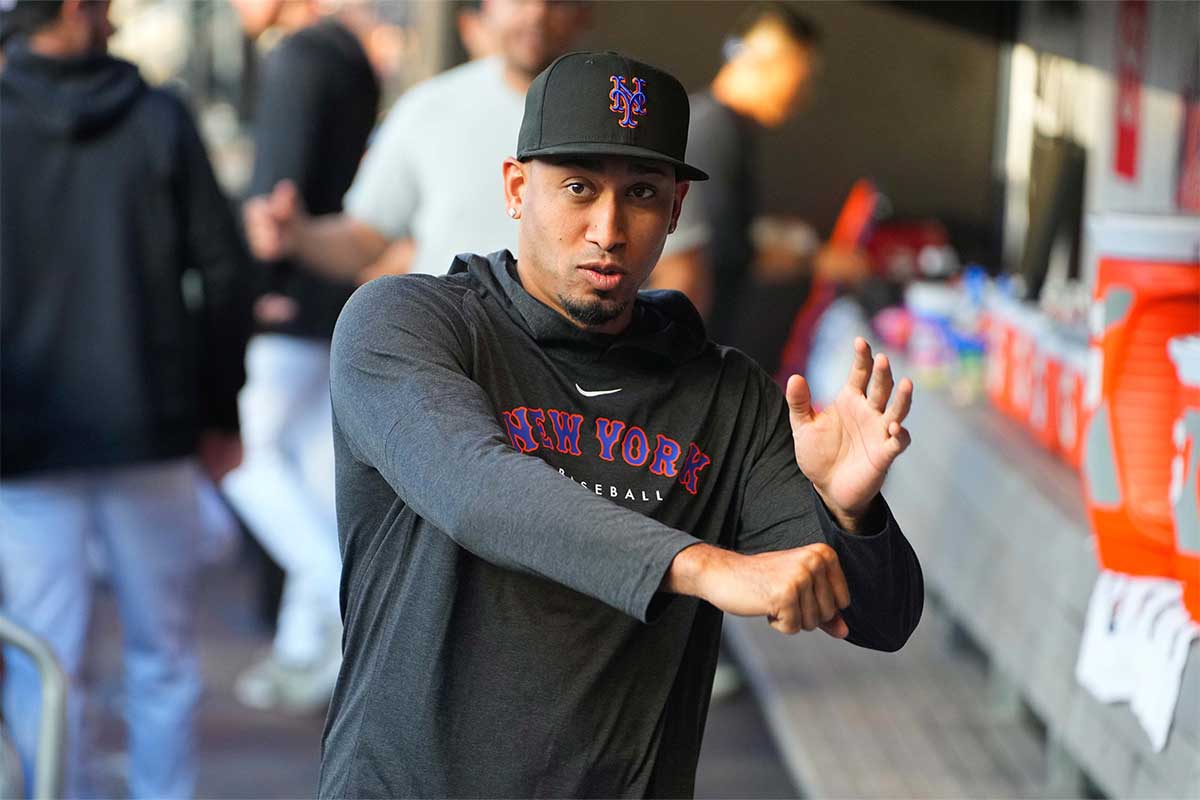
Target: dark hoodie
{"type": "Point", "coordinates": [109, 204]}
{"type": "Point", "coordinates": [511, 491]}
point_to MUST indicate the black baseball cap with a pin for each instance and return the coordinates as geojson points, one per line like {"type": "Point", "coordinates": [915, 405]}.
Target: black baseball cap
{"type": "Point", "coordinates": [606, 104]}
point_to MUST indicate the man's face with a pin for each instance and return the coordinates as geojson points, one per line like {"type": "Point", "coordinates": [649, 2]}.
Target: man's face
{"type": "Point", "coordinates": [592, 230]}
{"type": "Point", "coordinates": [532, 33]}
{"type": "Point", "coordinates": [784, 70]}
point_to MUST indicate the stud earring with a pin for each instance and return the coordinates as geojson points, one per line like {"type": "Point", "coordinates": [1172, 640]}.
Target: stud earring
{"type": "Point", "coordinates": [512, 213]}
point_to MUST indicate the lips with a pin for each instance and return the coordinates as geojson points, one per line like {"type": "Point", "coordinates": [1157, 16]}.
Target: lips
{"type": "Point", "coordinates": [601, 276]}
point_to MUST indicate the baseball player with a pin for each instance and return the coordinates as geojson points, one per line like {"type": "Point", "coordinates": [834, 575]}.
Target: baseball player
{"type": "Point", "coordinates": [551, 487]}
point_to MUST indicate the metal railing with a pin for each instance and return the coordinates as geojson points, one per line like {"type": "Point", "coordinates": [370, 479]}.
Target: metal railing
{"type": "Point", "coordinates": [48, 769]}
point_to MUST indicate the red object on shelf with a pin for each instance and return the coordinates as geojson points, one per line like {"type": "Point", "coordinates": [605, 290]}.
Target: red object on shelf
{"type": "Point", "coordinates": [1147, 291]}
{"type": "Point", "coordinates": [997, 337]}
{"type": "Point", "coordinates": [1022, 350]}
{"type": "Point", "coordinates": [1131, 61]}
{"type": "Point", "coordinates": [894, 246]}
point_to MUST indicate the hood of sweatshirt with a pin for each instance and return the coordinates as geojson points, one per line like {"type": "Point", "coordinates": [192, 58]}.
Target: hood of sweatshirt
{"type": "Point", "coordinates": [666, 326]}
{"type": "Point", "coordinates": [69, 98]}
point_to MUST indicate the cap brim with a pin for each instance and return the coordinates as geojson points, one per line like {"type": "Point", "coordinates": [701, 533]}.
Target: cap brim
{"type": "Point", "coordinates": [683, 172]}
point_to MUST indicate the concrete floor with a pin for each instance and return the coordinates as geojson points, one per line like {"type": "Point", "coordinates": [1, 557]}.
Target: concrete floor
{"type": "Point", "coordinates": [252, 754]}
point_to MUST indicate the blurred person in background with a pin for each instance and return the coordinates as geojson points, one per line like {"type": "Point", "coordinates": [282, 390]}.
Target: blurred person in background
{"type": "Point", "coordinates": [429, 187]}
{"type": "Point", "coordinates": [771, 63]}
{"type": "Point", "coordinates": [318, 96]}
{"type": "Point", "coordinates": [473, 31]}
{"type": "Point", "coordinates": [124, 325]}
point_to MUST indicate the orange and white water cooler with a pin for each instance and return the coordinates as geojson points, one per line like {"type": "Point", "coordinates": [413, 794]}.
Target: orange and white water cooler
{"type": "Point", "coordinates": [1146, 291]}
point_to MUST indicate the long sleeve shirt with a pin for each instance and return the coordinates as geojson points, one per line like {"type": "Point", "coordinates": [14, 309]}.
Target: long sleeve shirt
{"type": "Point", "coordinates": [511, 492]}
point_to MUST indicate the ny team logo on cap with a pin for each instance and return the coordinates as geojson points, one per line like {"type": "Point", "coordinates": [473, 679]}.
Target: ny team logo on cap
{"type": "Point", "coordinates": [627, 103]}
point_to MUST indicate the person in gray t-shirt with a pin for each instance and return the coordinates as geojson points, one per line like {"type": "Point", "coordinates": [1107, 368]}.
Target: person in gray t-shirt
{"type": "Point", "coordinates": [400, 215]}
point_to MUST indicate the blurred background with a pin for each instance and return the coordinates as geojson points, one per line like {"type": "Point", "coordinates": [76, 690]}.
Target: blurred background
{"type": "Point", "coordinates": [1004, 197]}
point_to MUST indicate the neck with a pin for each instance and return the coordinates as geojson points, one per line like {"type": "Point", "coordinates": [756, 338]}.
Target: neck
{"type": "Point", "coordinates": [517, 78]}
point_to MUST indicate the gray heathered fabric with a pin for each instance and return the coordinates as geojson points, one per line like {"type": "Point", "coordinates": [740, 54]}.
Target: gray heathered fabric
{"type": "Point", "coordinates": [504, 634]}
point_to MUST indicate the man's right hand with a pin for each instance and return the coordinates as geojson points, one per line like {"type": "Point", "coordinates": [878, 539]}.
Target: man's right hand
{"type": "Point", "coordinates": [799, 589]}
{"type": "Point", "coordinates": [274, 221]}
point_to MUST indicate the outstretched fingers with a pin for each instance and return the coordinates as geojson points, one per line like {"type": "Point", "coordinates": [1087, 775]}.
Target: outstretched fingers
{"type": "Point", "coordinates": [799, 399]}
{"type": "Point", "coordinates": [881, 383]}
{"type": "Point", "coordinates": [901, 404]}
{"type": "Point", "coordinates": [860, 371]}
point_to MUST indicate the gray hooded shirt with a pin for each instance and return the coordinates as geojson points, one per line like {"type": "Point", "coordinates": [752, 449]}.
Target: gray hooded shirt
{"type": "Point", "coordinates": [511, 491]}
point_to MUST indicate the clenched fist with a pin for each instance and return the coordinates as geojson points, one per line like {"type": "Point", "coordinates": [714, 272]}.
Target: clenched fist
{"type": "Point", "coordinates": [796, 590]}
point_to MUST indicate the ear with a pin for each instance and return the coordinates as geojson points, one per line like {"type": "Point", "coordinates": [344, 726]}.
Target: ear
{"type": "Point", "coordinates": [681, 190]}
{"type": "Point", "coordinates": [515, 181]}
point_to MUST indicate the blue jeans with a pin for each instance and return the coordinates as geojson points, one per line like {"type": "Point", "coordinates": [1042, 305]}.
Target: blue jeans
{"type": "Point", "coordinates": [144, 520]}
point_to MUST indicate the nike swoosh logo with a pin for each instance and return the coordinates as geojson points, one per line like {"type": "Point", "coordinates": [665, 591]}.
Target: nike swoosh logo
{"type": "Point", "coordinates": [586, 393]}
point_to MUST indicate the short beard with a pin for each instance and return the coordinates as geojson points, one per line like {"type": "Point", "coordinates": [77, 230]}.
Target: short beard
{"type": "Point", "coordinates": [592, 313]}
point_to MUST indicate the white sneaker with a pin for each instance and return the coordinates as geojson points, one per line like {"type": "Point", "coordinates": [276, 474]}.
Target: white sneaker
{"type": "Point", "coordinates": [273, 685]}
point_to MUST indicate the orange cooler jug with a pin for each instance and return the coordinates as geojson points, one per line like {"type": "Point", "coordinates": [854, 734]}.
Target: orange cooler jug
{"type": "Point", "coordinates": [1147, 290]}
{"type": "Point", "coordinates": [1185, 470]}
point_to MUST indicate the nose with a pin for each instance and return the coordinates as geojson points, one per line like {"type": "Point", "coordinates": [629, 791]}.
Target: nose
{"type": "Point", "coordinates": [606, 224]}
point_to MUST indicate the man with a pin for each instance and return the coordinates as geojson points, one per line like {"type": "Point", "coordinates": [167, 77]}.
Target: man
{"type": "Point", "coordinates": [770, 62]}
{"type": "Point", "coordinates": [317, 101]}
{"type": "Point", "coordinates": [541, 474]}
{"type": "Point", "coordinates": [124, 327]}
{"type": "Point", "coordinates": [427, 188]}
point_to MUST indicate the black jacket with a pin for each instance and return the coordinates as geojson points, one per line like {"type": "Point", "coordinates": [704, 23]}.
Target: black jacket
{"type": "Point", "coordinates": [123, 309]}
{"type": "Point", "coordinates": [511, 491]}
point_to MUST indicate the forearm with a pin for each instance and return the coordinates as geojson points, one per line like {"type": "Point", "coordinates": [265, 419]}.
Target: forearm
{"type": "Point", "coordinates": [886, 584]}
{"type": "Point", "coordinates": [685, 575]}
{"type": "Point", "coordinates": [338, 246]}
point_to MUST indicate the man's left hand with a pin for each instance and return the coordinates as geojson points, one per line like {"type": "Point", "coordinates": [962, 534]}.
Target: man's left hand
{"type": "Point", "coordinates": [846, 449]}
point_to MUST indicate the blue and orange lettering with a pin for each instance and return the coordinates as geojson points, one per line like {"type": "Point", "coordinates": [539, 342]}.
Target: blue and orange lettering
{"type": "Point", "coordinates": [666, 457]}
{"type": "Point", "coordinates": [695, 461]}
{"type": "Point", "coordinates": [537, 421]}
{"type": "Point", "coordinates": [520, 432]}
{"type": "Point", "coordinates": [636, 448]}
{"type": "Point", "coordinates": [566, 430]}
{"type": "Point", "coordinates": [608, 431]}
